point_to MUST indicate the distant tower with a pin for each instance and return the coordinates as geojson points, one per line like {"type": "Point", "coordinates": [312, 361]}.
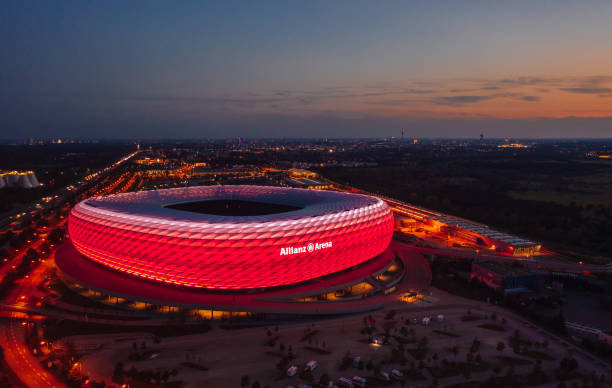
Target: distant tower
{"type": "Point", "coordinates": [481, 136]}
{"type": "Point", "coordinates": [402, 134]}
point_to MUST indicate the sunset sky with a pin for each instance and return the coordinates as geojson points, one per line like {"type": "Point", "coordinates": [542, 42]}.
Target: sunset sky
{"type": "Point", "coordinates": [110, 69]}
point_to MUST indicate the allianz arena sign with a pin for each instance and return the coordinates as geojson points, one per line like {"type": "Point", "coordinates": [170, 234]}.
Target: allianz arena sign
{"type": "Point", "coordinates": [305, 249]}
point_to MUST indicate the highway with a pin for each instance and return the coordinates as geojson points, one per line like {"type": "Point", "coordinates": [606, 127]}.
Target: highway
{"type": "Point", "coordinates": [19, 357]}
{"type": "Point", "coordinates": [534, 262]}
{"type": "Point", "coordinates": [12, 332]}
{"type": "Point", "coordinates": [12, 337]}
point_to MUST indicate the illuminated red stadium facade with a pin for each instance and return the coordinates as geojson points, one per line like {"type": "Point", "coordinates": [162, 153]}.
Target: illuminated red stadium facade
{"type": "Point", "coordinates": [231, 237]}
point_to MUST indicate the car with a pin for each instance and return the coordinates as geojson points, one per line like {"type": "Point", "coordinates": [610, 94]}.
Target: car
{"type": "Point", "coordinates": [396, 374]}
{"type": "Point", "coordinates": [292, 371]}
{"type": "Point", "coordinates": [346, 383]}
{"type": "Point", "coordinates": [359, 381]}
{"type": "Point", "coordinates": [311, 365]}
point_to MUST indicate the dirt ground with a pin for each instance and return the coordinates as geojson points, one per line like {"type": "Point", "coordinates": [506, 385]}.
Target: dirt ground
{"type": "Point", "coordinates": [226, 355]}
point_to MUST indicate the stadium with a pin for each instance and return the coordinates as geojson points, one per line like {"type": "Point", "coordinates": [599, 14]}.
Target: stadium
{"type": "Point", "coordinates": [231, 248]}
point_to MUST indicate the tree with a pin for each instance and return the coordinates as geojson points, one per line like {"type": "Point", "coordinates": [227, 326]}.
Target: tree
{"type": "Point", "coordinates": [32, 254]}
{"type": "Point", "coordinates": [469, 358]}
{"type": "Point", "coordinates": [244, 380]}
{"type": "Point", "coordinates": [377, 369]}
{"type": "Point", "coordinates": [55, 236]}
{"type": "Point", "coordinates": [282, 364]}
{"type": "Point", "coordinates": [500, 346]}
{"type": "Point", "coordinates": [423, 343]}
{"type": "Point", "coordinates": [118, 371]}
{"type": "Point", "coordinates": [569, 364]}
{"type": "Point", "coordinates": [475, 346]}
{"type": "Point", "coordinates": [45, 247]}
{"type": "Point", "coordinates": [369, 365]}
{"type": "Point", "coordinates": [325, 379]}
{"type": "Point", "coordinates": [455, 350]}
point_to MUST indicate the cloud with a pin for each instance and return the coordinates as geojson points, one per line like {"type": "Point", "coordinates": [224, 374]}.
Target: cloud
{"type": "Point", "coordinates": [588, 90]}
{"type": "Point", "coordinates": [525, 80]}
{"type": "Point", "coordinates": [398, 102]}
{"type": "Point", "coordinates": [211, 100]}
{"type": "Point", "coordinates": [415, 91]}
{"type": "Point", "coordinates": [530, 98]}
{"type": "Point", "coordinates": [458, 100]}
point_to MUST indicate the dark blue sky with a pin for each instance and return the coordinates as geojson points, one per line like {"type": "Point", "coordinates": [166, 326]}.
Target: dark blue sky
{"type": "Point", "coordinates": [124, 69]}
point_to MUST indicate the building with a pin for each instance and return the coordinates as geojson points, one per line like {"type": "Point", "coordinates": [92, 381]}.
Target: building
{"type": "Point", "coordinates": [307, 183]}
{"type": "Point", "coordinates": [230, 248]}
{"type": "Point", "coordinates": [301, 173]}
{"type": "Point", "coordinates": [22, 179]}
{"type": "Point", "coordinates": [503, 277]}
{"type": "Point", "coordinates": [463, 230]}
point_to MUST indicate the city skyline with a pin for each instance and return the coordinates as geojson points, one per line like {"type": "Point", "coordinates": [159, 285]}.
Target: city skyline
{"type": "Point", "coordinates": [291, 70]}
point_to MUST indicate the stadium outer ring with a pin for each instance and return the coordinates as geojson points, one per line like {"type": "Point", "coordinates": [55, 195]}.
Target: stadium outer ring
{"type": "Point", "coordinates": [134, 234]}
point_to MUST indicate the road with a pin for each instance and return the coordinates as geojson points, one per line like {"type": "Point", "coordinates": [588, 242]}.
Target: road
{"type": "Point", "coordinates": [36, 245]}
{"type": "Point", "coordinates": [536, 262]}
{"type": "Point", "coordinates": [20, 359]}
{"type": "Point", "coordinates": [12, 338]}
{"type": "Point", "coordinates": [12, 333]}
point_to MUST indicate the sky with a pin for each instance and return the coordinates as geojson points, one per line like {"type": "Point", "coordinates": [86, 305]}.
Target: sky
{"type": "Point", "coordinates": [285, 69]}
